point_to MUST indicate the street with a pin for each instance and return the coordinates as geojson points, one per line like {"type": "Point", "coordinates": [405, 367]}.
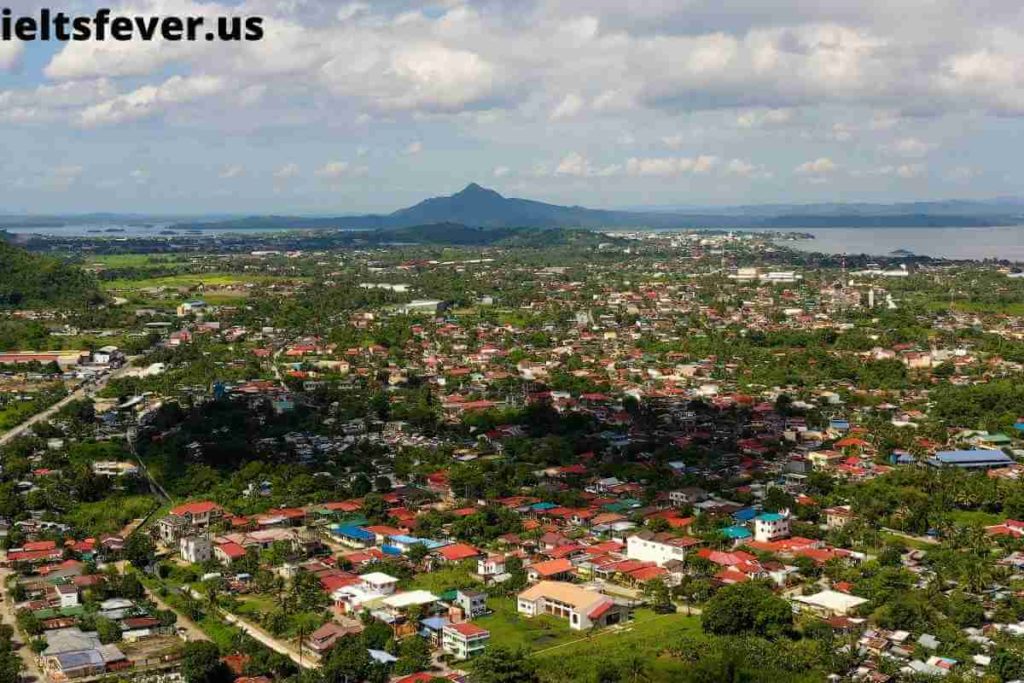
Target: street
{"type": "Point", "coordinates": [30, 671]}
{"type": "Point", "coordinates": [85, 390]}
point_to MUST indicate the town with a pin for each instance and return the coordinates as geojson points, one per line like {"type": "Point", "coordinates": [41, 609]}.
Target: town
{"type": "Point", "coordinates": [584, 456]}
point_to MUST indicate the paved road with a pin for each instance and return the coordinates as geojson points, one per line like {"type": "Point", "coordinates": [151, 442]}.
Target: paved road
{"type": "Point", "coordinates": [307, 660]}
{"type": "Point", "coordinates": [85, 390]}
{"type": "Point", "coordinates": [192, 629]}
{"type": "Point", "coordinates": [30, 670]}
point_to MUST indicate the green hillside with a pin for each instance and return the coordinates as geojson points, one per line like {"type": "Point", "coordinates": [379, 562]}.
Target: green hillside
{"type": "Point", "coordinates": [31, 280]}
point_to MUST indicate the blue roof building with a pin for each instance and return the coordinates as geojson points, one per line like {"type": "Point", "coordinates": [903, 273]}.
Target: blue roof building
{"type": "Point", "coordinates": [770, 517]}
{"type": "Point", "coordinates": [976, 459]}
{"type": "Point", "coordinates": [736, 533]}
{"type": "Point", "coordinates": [744, 514]}
{"type": "Point", "coordinates": [353, 535]}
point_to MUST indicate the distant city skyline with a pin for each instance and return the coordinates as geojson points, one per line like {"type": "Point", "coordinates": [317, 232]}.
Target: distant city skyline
{"type": "Point", "coordinates": [371, 106]}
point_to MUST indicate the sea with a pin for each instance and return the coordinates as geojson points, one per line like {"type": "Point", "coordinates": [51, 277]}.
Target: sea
{"type": "Point", "coordinates": [1003, 242]}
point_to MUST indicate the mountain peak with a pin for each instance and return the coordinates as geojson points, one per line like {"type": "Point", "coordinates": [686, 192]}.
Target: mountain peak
{"type": "Point", "coordinates": [474, 189]}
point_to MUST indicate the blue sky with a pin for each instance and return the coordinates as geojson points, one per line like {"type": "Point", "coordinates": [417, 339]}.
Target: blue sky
{"type": "Point", "coordinates": [351, 107]}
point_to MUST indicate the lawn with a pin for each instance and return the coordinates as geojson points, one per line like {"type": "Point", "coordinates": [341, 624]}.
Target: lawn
{"type": "Point", "coordinates": [212, 281]}
{"type": "Point", "coordinates": [187, 280]}
{"type": "Point", "coordinates": [134, 260]}
{"type": "Point", "coordinates": [254, 605]}
{"type": "Point", "coordinates": [445, 579]}
{"type": "Point", "coordinates": [975, 517]}
{"type": "Point", "coordinates": [566, 655]}
{"type": "Point", "coordinates": [646, 636]}
{"type": "Point", "coordinates": [509, 628]}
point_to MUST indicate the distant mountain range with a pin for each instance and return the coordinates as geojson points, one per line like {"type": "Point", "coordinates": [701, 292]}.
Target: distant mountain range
{"type": "Point", "coordinates": [481, 207]}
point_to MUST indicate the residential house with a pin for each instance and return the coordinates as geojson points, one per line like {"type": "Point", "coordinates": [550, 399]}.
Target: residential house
{"type": "Point", "coordinates": [660, 548]}
{"type": "Point", "coordinates": [581, 607]}
{"type": "Point", "coordinates": [464, 640]}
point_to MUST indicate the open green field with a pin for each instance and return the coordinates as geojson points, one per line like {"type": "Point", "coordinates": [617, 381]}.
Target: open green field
{"type": "Point", "coordinates": [510, 628]}
{"type": "Point", "coordinates": [109, 516]}
{"type": "Point", "coordinates": [566, 655]}
{"type": "Point", "coordinates": [646, 638]}
{"type": "Point", "coordinates": [976, 517]}
{"type": "Point", "coordinates": [189, 280]}
{"type": "Point", "coordinates": [135, 260]}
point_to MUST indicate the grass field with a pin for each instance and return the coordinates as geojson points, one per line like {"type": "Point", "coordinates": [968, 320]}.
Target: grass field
{"type": "Point", "coordinates": [509, 628]}
{"type": "Point", "coordinates": [973, 517]}
{"type": "Point", "coordinates": [646, 637]}
{"type": "Point", "coordinates": [566, 655]}
{"type": "Point", "coordinates": [134, 260]}
{"type": "Point", "coordinates": [189, 280]}
{"type": "Point", "coordinates": [109, 516]}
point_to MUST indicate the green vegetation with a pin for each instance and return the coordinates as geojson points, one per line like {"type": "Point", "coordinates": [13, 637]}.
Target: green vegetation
{"type": "Point", "coordinates": [110, 515]}
{"type": "Point", "coordinates": [513, 630]}
{"type": "Point", "coordinates": [31, 280]}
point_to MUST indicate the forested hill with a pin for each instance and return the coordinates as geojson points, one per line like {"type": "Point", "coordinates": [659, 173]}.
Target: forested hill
{"type": "Point", "coordinates": [32, 280]}
{"type": "Point", "coordinates": [478, 206]}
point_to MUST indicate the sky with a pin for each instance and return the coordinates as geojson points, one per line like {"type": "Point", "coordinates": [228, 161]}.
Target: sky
{"type": "Point", "coordinates": [350, 107]}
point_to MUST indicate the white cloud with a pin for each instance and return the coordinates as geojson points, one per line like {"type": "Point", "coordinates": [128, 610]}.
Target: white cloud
{"type": "Point", "coordinates": [763, 118]}
{"type": "Point", "coordinates": [841, 132]}
{"type": "Point", "coordinates": [351, 10]}
{"type": "Point", "coordinates": [674, 142]}
{"type": "Point", "coordinates": [908, 147]}
{"type": "Point", "coordinates": [501, 171]}
{"type": "Point", "coordinates": [962, 174]}
{"type": "Point", "coordinates": [670, 166]}
{"type": "Point", "coordinates": [232, 171]}
{"type": "Point", "coordinates": [286, 172]}
{"type": "Point", "coordinates": [334, 171]}
{"type": "Point", "coordinates": [570, 106]}
{"type": "Point", "coordinates": [575, 164]}
{"type": "Point", "coordinates": [413, 148]}
{"type": "Point", "coordinates": [905, 171]}
{"type": "Point", "coordinates": [151, 100]}
{"type": "Point", "coordinates": [740, 167]}
{"type": "Point", "coordinates": [10, 54]}
{"type": "Point", "coordinates": [819, 166]}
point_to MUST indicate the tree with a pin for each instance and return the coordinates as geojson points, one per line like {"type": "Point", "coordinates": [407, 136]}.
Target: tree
{"type": "Point", "coordinates": [1008, 665]}
{"type": "Point", "coordinates": [347, 662]}
{"type": "Point", "coordinates": [200, 663]}
{"type": "Point", "coordinates": [414, 656]}
{"type": "Point", "coordinates": [107, 630]}
{"type": "Point", "coordinates": [416, 553]}
{"type": "Point", "coordinates": [361, 485]}
{"type": "Point", "coordinates": [502, 665]}
{"type": "Point", "coordinates": [747, 608]}
{"type": "Point", "coordinates": [29, 622]}
{"type": "Point", "coordinates": [657, 593]}
{"type": "Point", "coordinates": [139, 550]}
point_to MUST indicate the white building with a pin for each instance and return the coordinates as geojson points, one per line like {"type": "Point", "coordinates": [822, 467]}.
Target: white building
{"type": "Point", "coordinates": [196, 549]}
{"type": "Point", "coordinates": [371, 587]}
{"type": "Point", "coordinates": [647, 546]}
{"type": "Point", "coordinates": [828, 603]}
{"type": "Point", "coordinates": [771, 526]}
{"type": "Point", "coordinates": [68, 595]}
{"type": "Point", "coordinates": [581, 607]}
{"type": "Point", "coordinates": [464, 640]}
